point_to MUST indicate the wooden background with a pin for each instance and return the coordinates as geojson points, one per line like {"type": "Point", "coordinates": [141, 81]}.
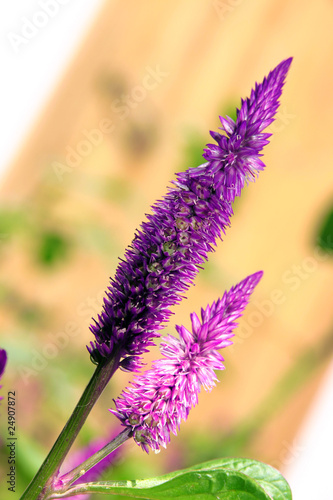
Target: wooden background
{"type": "Point", "coordinates": [207, 55]}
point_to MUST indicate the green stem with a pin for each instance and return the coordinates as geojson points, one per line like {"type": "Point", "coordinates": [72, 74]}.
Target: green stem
{"type": "Point", "coordinates": [71, 476]}
{"type": "Point", "coordinates": [42, 483]}
{"type": "Point", "coordinates": [104, 487]}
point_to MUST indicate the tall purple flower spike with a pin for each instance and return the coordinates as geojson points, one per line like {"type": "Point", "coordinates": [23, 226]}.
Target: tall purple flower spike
{"type": "Point", "coordinates": [156, 402]}
{"type": "Point", "coordinates": [170, 248]}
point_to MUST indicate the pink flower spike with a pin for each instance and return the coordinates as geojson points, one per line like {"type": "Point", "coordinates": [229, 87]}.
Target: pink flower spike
{"type": "Point", "coordinates": [157, 401]}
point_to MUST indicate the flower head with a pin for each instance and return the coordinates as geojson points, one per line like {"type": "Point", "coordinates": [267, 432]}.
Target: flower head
{"type": "Point", "coordinates": [170, 248]}
{"type": "Point", "coordinates": [157, 401]}
{"type": "Point", "coordinates": [236, 157]}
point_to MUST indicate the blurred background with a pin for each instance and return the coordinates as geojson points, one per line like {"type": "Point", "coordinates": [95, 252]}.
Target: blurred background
{"type": "Point", "coordinates": [102, 102]}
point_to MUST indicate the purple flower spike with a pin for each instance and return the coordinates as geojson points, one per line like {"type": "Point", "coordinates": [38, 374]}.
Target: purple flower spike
{"type": "Point", "coordinates": [157, 401]}
{"type": "Point", "coordinates": [170, 248]}
{"type": "Point", "coordinates": [236, 157]}
{"type": "Point", "coordinates": [159, 266]}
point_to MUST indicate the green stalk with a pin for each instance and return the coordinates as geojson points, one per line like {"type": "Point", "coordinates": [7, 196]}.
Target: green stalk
{"type": "Point", "coordinates": [71, 476]}
{"type": "Point", "coordinates": [42, 483]}
{"type": "Point", "coordinates": [104, 487]}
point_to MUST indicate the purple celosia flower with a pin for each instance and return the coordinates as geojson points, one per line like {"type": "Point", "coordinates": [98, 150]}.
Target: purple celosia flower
{"type": "Point", "coordinates": [157, 401]}
{"type": "Point", "coordinates": [168, 251]}
{"type": "Point", "coordinates": [3, 361]}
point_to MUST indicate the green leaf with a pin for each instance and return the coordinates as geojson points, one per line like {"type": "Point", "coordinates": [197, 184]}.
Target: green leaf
{"type": "Point", "coordinates": [223, 479]}
{"type": "Point", "coordinates": [269, 478]}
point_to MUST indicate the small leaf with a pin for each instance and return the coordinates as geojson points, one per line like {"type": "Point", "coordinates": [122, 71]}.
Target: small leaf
{"type": "Point", "coordinates": [223, 479]}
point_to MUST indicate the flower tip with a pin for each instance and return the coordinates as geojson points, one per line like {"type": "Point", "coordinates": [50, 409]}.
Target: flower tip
{"type": "Point", "coordinates": [255, 278]}
{"type": "Point", "coordinates": [250, 282]}
{"type": "Point", "coordinates": [258, 275]}
{"type": "Point", "coordinates": [284, 66]}
{"type": "Point", "coordinates": [288, 61]}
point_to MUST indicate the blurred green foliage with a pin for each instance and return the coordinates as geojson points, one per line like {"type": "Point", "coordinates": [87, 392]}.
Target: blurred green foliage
{"type": "Point", "coordinates": [194, 143]}
{"type": "Point", "coordinates": [11, 220]}
{"type": "Point", "coordinates": [52, 247]}
{"type": "Point", "coordinates": [28, 313]}
{"type": "Point", "coordinates": [117, 190]}
{"type": "Point", "coordinates": [324, 236]}
{"type": "Point", "coordinates": [230, 109]}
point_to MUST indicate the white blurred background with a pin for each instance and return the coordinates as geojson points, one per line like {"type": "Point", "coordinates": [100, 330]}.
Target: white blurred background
{"type": "Point", "coordinates": [38, 42]}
